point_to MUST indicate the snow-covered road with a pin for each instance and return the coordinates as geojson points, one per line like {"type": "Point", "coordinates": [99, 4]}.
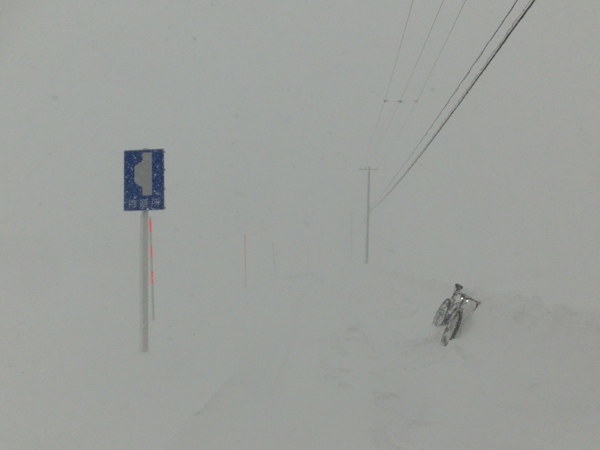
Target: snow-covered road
{"type": "Point", "coordinates": [357, 364]}
{"type": "Point", "coordinates": [345, 359]}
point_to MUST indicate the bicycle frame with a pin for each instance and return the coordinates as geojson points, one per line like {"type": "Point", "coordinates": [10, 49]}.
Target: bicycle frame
{"type": "Point", "coordinates": [450, 313]}
{"type": "Point", "coordinates": [460, 300]}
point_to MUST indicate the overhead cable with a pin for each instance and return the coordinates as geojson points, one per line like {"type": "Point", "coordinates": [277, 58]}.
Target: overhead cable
{"type": "Point", "coordinates": [387, 91]}
{"type": "Point", "coordinates": [451, 97]}
{"type": "Point", "coordinates": [422, 49]}
{"type": "Point", "coordinates": [489, 60]}
{"type": "Point", "coordinates": [413, 71]}
{"type": "Point", "coordinates": [426, 81]}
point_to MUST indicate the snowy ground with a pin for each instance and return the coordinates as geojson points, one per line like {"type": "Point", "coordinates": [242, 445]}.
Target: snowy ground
{"type": "Point", "coordinates": [266, 112]}
{"type": "Point", "coordinates": [346, 359]}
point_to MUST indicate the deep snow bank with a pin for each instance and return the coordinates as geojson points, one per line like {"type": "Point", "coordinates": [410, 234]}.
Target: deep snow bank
{"type": "Point", "coordinates": [351, 360]}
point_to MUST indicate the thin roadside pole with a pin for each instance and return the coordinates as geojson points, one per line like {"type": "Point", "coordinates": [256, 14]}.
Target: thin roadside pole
{"type": "Point", "coordinates": [144, 340]}
{"type": "Point", "coordinates": [245, 264]}
{"type": "Point", "coordinates": [368, 169]}
{"type": "Point", "coordinates": [151, 268]}
{"type": "Point", "coordinates": [351, 237]}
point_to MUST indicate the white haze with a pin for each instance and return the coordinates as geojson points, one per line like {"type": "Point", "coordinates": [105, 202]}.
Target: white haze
{"type": "Point", "coordinates": [265, 113]}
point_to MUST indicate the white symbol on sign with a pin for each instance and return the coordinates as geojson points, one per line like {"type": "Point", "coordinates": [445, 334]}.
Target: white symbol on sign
{"type": "Point", "coordinates": [142, 174]}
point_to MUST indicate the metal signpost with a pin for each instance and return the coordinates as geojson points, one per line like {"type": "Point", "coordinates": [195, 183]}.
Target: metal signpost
{"type": "Point", "coordinates": [144, 191]}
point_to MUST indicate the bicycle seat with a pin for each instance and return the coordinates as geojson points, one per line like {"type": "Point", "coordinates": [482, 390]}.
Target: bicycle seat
{"type": "Point", "coordinates": [458, 287]}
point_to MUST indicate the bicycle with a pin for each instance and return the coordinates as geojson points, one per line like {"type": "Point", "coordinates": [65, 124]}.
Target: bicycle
{"type": "Point", "coordinates": [451, 313]}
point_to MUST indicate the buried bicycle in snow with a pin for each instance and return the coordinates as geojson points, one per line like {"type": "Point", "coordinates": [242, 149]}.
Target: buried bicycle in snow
{"type": "Point", "coordinates": [452, 312]}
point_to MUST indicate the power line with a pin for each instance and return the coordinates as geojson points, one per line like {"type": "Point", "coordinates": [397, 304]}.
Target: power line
{"type": "Point", "coordinates": [399, 49]}
{"type": "Point", "coordinates": [387, 91]}
{"type": "Point", "coordinates": [412, 72]}
{"type": "Point", "coordinates": [450, 98]}
{"type": "Point", "coordinates": [452, 95]}
{"type": "Point", "coordinates": [442, 49]}
{"type": "Point", "coordinates": [448, 101]}
{"type": "Point", "coordinates": [488, 62]}
{"type": "Point", "coordinates": [422, 49]}
{"type": "Point", "coordinates": [426, 81]}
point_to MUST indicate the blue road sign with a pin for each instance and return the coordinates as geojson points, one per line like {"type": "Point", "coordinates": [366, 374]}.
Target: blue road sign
{"type": "Point", "coordinates": [144, 180]}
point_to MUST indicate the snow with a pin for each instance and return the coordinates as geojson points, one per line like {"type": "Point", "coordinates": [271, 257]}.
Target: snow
{"type": "Point", "coordinates": [339, 358]}
{"type": "Point", "coordinates": [266, 114]}
{"type": "Point", "coordinates": [359, 365]}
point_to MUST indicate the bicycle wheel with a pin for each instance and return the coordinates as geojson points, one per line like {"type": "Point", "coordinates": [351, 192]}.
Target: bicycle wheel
{"type": "Point", "coordinates": [452, 327]}
{"type": "Point", "coordinates": [442, 313]}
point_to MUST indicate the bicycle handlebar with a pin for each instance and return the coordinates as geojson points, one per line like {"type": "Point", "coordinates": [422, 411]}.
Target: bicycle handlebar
{"type": "Point", "coordinates": [465, 296]}
{"type": "Point", "coordinates": [477, 302]}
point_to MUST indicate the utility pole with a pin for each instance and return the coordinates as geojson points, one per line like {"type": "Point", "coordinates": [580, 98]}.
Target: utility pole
{"type": "Point", "coordinates": [368, 169]}
{"type": "Point", "coordinates": [351, 236]}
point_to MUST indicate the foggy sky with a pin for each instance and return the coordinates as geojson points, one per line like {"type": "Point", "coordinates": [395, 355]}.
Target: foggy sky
{"type": "Point", "coordinates": [266, 114]}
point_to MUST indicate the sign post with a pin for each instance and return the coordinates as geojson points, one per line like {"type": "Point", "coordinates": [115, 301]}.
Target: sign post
{"type": "Point", "coordinates": [144, 326]}
{"type": "Point", "coordinates": [144, 191]}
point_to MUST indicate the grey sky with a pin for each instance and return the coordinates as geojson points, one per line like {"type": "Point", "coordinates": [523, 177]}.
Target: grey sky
{"type": "Point", "coordinates": [266, 113]}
